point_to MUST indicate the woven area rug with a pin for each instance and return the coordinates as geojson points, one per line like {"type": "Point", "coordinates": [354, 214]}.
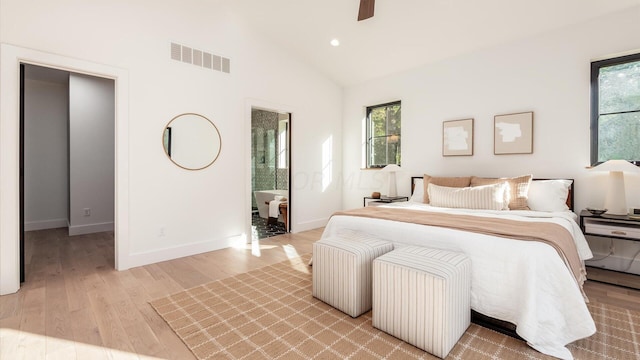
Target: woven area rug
{"type": "Point", "coordinates": [269, 313]}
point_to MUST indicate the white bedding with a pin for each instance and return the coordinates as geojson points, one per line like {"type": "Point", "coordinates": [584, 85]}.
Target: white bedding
{"type": "Point", "coordinates": [522, 282]}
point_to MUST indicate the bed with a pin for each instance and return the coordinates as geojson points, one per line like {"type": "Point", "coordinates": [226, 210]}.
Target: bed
{"type": "Point", "coordinates": [525, 283]}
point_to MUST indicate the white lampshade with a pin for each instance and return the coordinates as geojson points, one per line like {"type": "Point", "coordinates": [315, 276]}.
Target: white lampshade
{"type": "Point", "coordinates": [616, 200]}
{"type": "Point", "coordinates": [616, 165]}
{"type": "Point", "coordinates": [392, 169]}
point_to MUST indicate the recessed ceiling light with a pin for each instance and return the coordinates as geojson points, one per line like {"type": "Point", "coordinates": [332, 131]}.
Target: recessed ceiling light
{"type": "Point", "coordinates": [335, 42]}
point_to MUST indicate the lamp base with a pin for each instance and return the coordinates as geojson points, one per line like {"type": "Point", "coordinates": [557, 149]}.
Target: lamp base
{"type": "Point", "coordinates": [616, 200]}
{"type": "Point", "coordinates": [393, 189]}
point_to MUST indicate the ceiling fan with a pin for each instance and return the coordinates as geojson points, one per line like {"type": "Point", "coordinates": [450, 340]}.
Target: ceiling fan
{"type": "Point", "coordinates": [366, 9]}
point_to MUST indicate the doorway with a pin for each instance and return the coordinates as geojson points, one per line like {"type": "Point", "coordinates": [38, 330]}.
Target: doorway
{"type": "Point", "coordinates": [67, 141]}
{"type": "Point", "coordinates": [10, 154]}
{"type": "Point", "coordinates": [270, 173]}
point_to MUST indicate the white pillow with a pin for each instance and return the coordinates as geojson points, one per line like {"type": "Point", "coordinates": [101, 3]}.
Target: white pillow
{"type": "Point", "coordinates": [549, 195]}
{"type": "Point", "coordinates": [488, 197]}
{"type": "Point", "coordinates": [418, 191]}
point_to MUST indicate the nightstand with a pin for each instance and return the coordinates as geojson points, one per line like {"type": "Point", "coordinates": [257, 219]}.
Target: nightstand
{"type": "Point", "coordinates": [370, 201]}
{"type": "Point", "coordinates": [610, 226]}
{"type": "Point", "coordinates": [616, 227]}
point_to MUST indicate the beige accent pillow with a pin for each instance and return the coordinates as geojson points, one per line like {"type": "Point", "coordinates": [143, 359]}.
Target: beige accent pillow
{"type": "Point", "coordinates": [476, 181]}
{"type": "Point", "coordinates": [487, 197]}
{"type": "Point", "coordinates": [456, 182]}
{"type": "Point", "coordinates": [518, 189]}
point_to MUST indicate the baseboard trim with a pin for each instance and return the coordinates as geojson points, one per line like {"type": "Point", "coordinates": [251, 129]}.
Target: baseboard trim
{"type": "Point", "coordinates": [309, 225]}
{"type": "Point", "coordinates": [44, 224]}
{"type": "Point", "coordinates": [175, 252]}
{"type": "Point", "coordinates": [90, 228]}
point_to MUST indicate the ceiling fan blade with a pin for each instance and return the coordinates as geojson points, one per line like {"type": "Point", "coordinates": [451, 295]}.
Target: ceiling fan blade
{"type": "Point", "coordinates": [366, 9]}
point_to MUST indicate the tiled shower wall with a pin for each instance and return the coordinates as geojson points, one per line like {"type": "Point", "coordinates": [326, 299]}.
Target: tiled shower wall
{"type": "Point", "coordinates": [266, 175]}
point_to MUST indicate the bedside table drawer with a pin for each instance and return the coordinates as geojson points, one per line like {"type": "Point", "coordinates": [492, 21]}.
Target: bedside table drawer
{"type": "Point", "coordinates": [595, 227]}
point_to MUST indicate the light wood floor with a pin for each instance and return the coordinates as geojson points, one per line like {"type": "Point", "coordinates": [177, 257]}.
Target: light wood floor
{"type": "Point", "coordinates": [75, 305]}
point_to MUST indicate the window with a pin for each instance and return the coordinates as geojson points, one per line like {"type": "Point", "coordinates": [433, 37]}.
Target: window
{"type": "Point", "coordinates": [615, 109]}
{"type": "Point", "coordinates": [383, 135]}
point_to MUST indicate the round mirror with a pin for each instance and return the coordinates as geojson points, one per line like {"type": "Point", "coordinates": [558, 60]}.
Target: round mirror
{"type": "Point", "coordinates": [191, 141]}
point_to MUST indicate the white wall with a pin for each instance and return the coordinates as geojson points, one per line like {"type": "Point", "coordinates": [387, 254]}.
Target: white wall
{"type": "Point", "coordinates": [548, 74]}
{"type": "Point", "coordinates": [91, 153]}
{"type": "Point", "coordinates": [46, 196]}
{"type": "Point", "coordinates": [198, 210]}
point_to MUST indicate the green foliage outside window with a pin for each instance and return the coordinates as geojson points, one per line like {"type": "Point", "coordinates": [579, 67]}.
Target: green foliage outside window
{"type": "Point", "coordinates": [383, 135]}
{"type": "Point", "coordinates": [616, 109]}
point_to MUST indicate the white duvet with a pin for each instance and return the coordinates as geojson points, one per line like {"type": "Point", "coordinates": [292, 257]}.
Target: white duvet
{"type": "Point", "coordinates": [522, 282]}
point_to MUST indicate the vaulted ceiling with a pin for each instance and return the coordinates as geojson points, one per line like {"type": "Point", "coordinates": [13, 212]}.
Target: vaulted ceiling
{"type": "Point", "coordinates": [405, 34]}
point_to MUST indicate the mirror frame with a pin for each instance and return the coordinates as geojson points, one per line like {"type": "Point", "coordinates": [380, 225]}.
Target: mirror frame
{"type": "Point", "coordinates": [168, 126]}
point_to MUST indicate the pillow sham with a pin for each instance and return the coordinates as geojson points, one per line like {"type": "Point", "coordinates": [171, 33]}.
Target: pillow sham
{"type": "Point", "coordinates": [487, 197]}
{"type": "Point", "coordinates": [456, 182]}
{"type": "Point", "coordinates": [476, 181]}
{"type": "Point", "coordinates": [518, 189]}
{"type": "Point", "coordinates": [549, 195]}
{"type": "Point", "coordinates": [418, 191]}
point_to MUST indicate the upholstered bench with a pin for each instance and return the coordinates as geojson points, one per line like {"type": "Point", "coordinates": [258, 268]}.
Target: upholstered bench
{"type": "Point", "coordinates": [422, 296]}
{"type": "Point", "coordinates": [342, 272]}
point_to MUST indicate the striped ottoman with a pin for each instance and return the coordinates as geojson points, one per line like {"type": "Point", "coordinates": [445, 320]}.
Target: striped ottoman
{"type": "Point", "coordinates": [342, 272]}
{"type": "Point", "coordinates": [422, 296]}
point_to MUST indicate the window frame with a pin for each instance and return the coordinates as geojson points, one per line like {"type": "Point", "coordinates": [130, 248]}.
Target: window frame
{"type": "Point", "coordinates": [368, 137]}
{"type": "Point", "coordinates": [595, 104]}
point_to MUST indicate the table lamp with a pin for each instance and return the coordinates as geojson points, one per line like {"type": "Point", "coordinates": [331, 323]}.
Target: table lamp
{"type": "Point", "coordinates": [392, 169]}
{"type": "Point", "coordinates": [616, 199]}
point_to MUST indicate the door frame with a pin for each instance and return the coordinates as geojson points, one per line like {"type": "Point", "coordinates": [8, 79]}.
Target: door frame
{"type": "Point", "coordinates": [11, 57]}
{"type": "Point", "coordinates": [277, 108]}
{"type": "Point", "coordinates": [21, 169]}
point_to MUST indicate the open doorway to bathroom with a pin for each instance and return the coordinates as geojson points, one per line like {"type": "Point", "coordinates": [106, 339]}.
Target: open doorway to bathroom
{"type": "Point", "coordinates": [270, 173]}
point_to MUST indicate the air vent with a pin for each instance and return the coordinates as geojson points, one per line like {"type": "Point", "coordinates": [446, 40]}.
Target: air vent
{"type": "Point", "coordinates": [217, 62]}
{"type": "Point", "coordinates": [197, 57]}
{"type": "Point", "coordinates": [226, 65]}
{"type": "Point", "coordinates": [206, 60]}
{"type": "Point", "coordinates": [186, 54]}
{"type": "Point", "coordinates": [200, 58]}
{"type": "Point", "coordinates": [176, 52]}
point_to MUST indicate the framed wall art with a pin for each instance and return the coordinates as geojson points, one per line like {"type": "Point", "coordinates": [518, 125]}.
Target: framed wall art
{"type": "Point", "coordinates": [457, 137]}
{"type": "Point", "coordinates": [513, 133]}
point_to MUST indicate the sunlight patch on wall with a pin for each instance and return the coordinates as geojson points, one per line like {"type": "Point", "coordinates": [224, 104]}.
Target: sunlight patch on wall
{"type": "Point", "coordinates": [327, 163]}
{"type": "Point", "coordinates": [240, 242]}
